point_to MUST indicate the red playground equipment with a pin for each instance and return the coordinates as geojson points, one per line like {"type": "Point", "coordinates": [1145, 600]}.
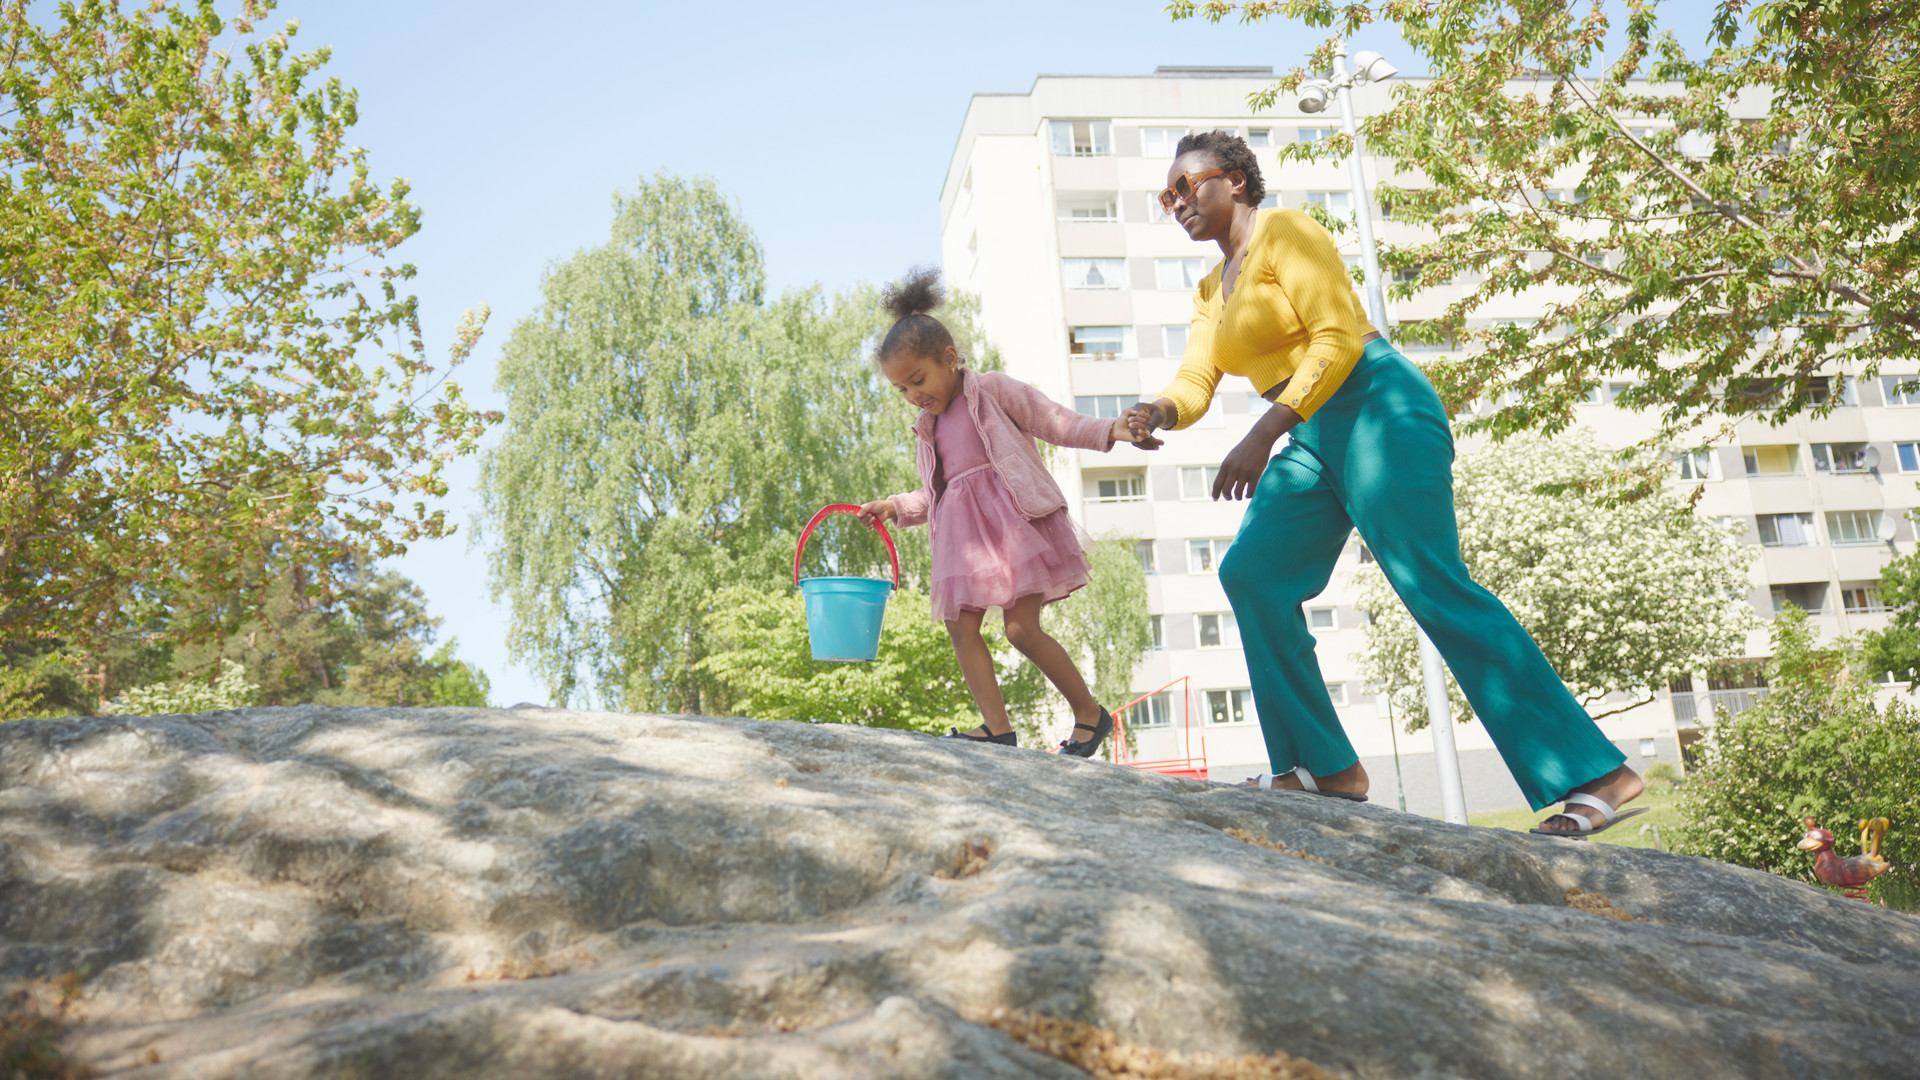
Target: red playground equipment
{"type": "Point", "coordinates": [1189, 763]}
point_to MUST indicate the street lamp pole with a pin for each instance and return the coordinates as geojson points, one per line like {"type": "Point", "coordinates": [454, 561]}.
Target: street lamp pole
{"type": "Point", "coordinates": [1372, 67]}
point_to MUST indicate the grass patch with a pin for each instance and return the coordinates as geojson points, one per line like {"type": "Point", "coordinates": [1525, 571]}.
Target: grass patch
{"type": "Point", "coordinates": [1663, 813]}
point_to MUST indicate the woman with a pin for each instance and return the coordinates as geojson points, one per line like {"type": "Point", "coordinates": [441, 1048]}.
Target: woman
{"type": "Point", "coordinates": [1372, 450]}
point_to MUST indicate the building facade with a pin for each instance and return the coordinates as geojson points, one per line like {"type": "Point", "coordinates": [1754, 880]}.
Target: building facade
{"type": "Point", "coordinates": [1048, 214]}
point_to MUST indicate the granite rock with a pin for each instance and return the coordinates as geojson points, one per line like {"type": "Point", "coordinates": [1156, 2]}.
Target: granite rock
{"type": "Point", "coordinates": [330, 892]}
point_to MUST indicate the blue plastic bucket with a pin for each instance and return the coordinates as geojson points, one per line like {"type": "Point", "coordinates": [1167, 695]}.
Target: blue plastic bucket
{"type": "Point", "coordinates": [844, 616]}
{"type": "Point", "coordinates": [844, 613]}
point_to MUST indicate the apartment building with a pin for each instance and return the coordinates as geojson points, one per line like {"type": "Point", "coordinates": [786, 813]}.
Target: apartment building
{"type": "Point", "coordinates": [1048, 214]}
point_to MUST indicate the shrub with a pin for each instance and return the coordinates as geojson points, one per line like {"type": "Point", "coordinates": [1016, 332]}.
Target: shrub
{"type": "Point", "coordinates": [1818, 745]}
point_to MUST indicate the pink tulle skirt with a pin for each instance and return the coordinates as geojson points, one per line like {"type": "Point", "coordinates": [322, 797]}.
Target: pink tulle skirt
{"type": "Point", "coordinates": [986, 553]}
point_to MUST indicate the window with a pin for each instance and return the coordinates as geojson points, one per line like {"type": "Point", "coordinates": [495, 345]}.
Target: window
{"type": "Point", "coordinates": [1861, 599]}
{"type": "Point", "coordinates": [1087, 206]}
{"type": "Point", "coordinates": [1104, 406]}
{"type": "Point", "coordinates": [1178, 274]}
{"type": "Point", "coordinates": [1809, 596]}
{"type": "Point", "coordinates": [1196, 481]}
{"type": "Point", "coordinates": [1257, 404]}
{"type": "Point", "coordinates": [1155, 712]}
{"type": "Point", "coordinates": [1336, 202]}
{"type": "Point", "coordinates": [1159, 142]}
{"type": "Point", "coordinates": [1772, 460]}
{"type": "Point", "coordinates": [1120, 489]}
{"type": "Point", "coordinates": [1892, 384]}
{"type": "Point", "coordinates": [1337, 693]}
{"type": "Point", "coordinates": [1839, 457]}
{"type": "Point", "coordinates": [1229, 706]}
{"type": "Point", "coordinates": [1617, 390]}
{"type": "Point", "coordinates": [1909, 456]}
{"type": "Point", "coordinates": [1149, 564]}
{"type": "Point", "coordinates": [1203, 556]}
{"type": "Point", "coordinates": [1853, 526]}
{"type": "Point", "coordinates": [1259, 136]}
{"type": "Point", "coordinates": [1100, 342]}
{"type": "Point", "coordinates": [1177, 340]}
{"type": "Point", "coordinates": [1314, 134]}
{"type": "Point", "coordinates": [1694, 465]}
{"type": "Point", "coordinates": [1647, 748]}
{"type": "Point", "coordinates": [1787, 530]}
{"type": "Point", "coordinates": [1270, 201]}
{"type": "Point", "coordinates": [1094, 273]}
{"type": "Point", "coordinates": [1824, 388]}
{"type": "Point", "coordinates": [1082, 138]}
{"type": "Point", "coordinates": [1217, 630]}
{"type": "Point", "coordinates": [1322, 618]}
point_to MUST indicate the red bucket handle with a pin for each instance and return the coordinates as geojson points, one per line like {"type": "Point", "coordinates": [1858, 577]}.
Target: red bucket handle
{"type": "Point", "coordinates": [843, 508]}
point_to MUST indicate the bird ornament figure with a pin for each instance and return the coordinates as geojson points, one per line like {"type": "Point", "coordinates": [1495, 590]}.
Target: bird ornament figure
{"type": "Point", "coordinates": [1850, 875]}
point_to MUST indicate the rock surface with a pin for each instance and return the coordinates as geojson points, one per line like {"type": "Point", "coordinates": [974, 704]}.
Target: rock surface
{"type": "Point", "coordinates": [325, 892]}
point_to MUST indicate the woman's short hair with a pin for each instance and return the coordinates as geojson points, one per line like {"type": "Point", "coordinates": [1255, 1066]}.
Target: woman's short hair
{"type": "Point", "coordinates": [1228, 151]}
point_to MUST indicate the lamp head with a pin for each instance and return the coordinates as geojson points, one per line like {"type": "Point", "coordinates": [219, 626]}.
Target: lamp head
{"type": "Point", "coordinates": [1370, 66]}
{"type": "Point", "coordinates": [1313, 97]}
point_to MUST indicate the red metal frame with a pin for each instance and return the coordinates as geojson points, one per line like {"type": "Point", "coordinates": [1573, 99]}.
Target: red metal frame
{"type": "Point", "coordinates": [1189, 764]}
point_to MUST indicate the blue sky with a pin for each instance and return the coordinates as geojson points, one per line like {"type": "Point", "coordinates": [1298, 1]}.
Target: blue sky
{"type": "Point", "coordinates": [831, 125]}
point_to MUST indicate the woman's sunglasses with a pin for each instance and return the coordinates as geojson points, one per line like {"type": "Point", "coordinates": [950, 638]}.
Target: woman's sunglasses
{"type": "Point", "coordinates": [1184, 185]}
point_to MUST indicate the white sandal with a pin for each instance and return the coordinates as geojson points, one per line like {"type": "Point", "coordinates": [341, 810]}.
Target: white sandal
{"type": "Point", "coordinates": [1583, 825]}
{"type": "Point", "coordinates": [1265, 783]}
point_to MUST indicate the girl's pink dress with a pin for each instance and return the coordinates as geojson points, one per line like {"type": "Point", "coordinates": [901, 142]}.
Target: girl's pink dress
{"type": "Point", "coordinates": [986, 553]}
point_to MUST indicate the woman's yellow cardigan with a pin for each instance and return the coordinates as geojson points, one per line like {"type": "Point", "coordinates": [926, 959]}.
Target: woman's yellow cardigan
{"type": "Point", "coordinates": [1293, 317]}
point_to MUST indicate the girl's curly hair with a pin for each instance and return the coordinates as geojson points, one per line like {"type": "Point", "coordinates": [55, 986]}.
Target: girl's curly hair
{"type": "Point", "coordinates": [915, 332]}
{"type": "Point", "coordinates": [1228, 151]}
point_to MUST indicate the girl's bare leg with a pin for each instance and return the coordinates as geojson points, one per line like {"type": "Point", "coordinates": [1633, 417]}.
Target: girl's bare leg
{"type": "Point", "coordinates": [1024, 633]}
{"type": "Point", "coordinates": [976, 664]}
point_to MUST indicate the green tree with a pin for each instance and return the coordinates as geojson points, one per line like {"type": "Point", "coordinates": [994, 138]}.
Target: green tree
{"type": "Point", "coordinates": [1106, 626]}
{"type": "Point", "coordinates": [669, 430]}
{"type": "Point", "coordinates": [1719, 261]}
{"type": "Point", "coordinates": [1895, 649]}
{"type": "Point", "coordinates": [1621, 597]}
{"type": "Point", "coordinates": [764, 666]}
{"type": "Point", "coordinates": [197, 288]}
{"type": "Point", "coordinates": [1818, 745]}
{"type": "Point", "coordinates": [229, 689]}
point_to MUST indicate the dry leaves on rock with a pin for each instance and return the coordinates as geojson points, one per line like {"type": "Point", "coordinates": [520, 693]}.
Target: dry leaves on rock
{"type": "Point", "coordinates": [1280, 846]}
{"type": "Point", "coordinates": [1594, 903]}
{"type": "Point", "coordinates": [540, 967]}
{"type": "Point", "coordinates": [973, 859]}
{"type": "Point", "coordinates": [33, 1016]}
{"type": "Point", "coordinates": [1100, 1054]}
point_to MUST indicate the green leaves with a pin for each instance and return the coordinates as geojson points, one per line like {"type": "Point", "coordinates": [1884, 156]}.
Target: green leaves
{"type": "Point", "coordinates": [669, 431]}
{"type": "Point", "coordinates": [191, 374]}
{"type": "Point", "coordinates": [1735, 216]}
{"type": "Point", "coordinates": [1819, 745]}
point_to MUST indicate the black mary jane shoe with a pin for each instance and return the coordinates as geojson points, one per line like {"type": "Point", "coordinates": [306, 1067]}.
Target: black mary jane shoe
{"type": "Point", "coordinates": [1091, 746]}
{"type": "Point", "coordinates": [1008, 738]}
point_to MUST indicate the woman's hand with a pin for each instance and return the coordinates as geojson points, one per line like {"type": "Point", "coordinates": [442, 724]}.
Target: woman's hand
{"type": "Point", "coordinates": [1241, 470]}
{"type": "Point", "coordinates": [1142, 419]}
{"type": "Point", "coordinates": [1125, 431]}
{"type": "Point", "coordinates": [877, 511]}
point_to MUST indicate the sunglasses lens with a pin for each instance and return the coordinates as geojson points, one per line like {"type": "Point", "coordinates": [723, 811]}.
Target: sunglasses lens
{"type": "Point", "coordinates": [1166, 199]}
{"type": "Point", "coordinates": [1182, 186]}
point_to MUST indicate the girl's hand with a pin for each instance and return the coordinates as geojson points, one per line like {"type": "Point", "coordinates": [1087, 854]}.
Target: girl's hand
{"type": "Point", "coordinates": [877, 511]}
{"type": "Point", "coordinates": [1124, 431]}
{"type": "Point", "coordinates": [1142, 419]}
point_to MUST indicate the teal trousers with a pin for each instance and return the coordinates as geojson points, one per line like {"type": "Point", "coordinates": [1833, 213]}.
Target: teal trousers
{"type": "Point", "coordinates": [1378, 456]}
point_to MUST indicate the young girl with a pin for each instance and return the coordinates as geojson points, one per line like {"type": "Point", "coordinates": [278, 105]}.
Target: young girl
{"type": "Point", "coordinates": [1000, 532]}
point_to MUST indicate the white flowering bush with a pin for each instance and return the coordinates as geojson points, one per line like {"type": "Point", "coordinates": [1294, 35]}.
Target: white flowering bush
{"type": "Point", "coordinates": [1819, 745]}
{"type": "Point", "coordinates": [187, 694]}
{"type": "Point", "coordinates": [1619, 597]}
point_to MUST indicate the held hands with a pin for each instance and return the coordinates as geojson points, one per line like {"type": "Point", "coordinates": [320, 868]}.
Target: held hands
{"type": "Point", "coordinates": [877, 511]}
{"type": "Point", "coordinates": [1138, 424]}
{"type": "Point", "coordinates": [1125, 431]}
